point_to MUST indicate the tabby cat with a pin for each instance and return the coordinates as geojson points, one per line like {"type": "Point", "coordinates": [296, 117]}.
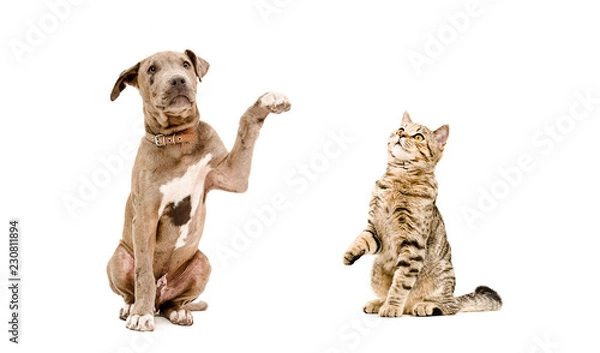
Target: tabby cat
{"type": "Point", "coordinates": [412, 271]}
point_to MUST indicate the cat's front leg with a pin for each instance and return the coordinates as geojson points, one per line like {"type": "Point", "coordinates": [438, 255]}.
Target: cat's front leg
{"type": "Point", "coordinates": [366, 243]}
{"type": "Point", "coordinates": [408, 267]}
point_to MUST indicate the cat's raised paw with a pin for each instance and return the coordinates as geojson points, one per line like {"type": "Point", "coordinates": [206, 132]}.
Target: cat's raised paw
{"type": "Point", "coordinates": [426, 309]}
{"type": "Point", "coordinates": [387, 310]}
{"type": "Point", "coordinates": [372, 307]}
{"type": "Point", "coordinates": [351, 256]}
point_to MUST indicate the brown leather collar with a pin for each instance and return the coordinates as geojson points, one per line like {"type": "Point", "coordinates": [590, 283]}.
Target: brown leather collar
{"type": "Point", "coordinates": [160, 140]}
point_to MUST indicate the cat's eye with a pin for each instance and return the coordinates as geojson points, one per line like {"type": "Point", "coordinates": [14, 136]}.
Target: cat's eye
{"type": "Point", "coordinates": [400, 130]}
{"type": "Point", "coordinates": [419, 137]}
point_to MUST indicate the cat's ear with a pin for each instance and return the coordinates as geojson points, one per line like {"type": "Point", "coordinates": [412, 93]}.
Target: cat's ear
{"type": "Point", "coordinates": [441, 136]}
{"type": "Point", "coordinates": [406, 119]}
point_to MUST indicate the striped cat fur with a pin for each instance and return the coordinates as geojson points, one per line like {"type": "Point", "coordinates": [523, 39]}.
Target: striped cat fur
{"type": "Point", "coordinates": [412, 271]}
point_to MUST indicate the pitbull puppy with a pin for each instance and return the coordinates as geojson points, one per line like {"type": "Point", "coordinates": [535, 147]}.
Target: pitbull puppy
{"type": "Point", "coordinates": [157, 267]}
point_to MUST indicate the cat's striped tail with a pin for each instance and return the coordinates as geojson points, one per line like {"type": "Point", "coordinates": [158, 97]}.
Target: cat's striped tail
{"type": "Point", "coordinates": [483, 299]}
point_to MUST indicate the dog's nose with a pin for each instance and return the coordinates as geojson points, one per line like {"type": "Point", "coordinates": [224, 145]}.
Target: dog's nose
{"type": "Point", "coordinates": [178, 81]}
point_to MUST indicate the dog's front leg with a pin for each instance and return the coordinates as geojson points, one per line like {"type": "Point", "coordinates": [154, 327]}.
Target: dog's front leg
{"type": "Point", "coordinates": [141, 317]}
{"type": "Point", "coordinates": [232, 173]}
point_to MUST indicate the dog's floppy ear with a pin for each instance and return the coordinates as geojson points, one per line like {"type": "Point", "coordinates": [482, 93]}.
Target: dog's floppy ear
{"type": "Point", "coordinates": [200, 65]}
{"type": "Point", "coordinates": [127, 77]}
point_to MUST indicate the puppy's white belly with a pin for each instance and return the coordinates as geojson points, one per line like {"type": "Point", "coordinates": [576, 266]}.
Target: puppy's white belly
{"type": "Point", "coordinates": [181, 197]}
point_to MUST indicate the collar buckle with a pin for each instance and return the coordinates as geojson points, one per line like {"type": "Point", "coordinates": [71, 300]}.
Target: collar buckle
{"type": "Point", "coordinates": [159, 140]}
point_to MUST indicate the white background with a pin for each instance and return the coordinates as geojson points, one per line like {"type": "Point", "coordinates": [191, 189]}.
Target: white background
{"type": "Point", "coordinates": [511, 73]}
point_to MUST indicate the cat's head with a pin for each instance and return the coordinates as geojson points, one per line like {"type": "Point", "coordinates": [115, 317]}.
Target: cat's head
{"type": "Point", "coordinates": [414, 145]}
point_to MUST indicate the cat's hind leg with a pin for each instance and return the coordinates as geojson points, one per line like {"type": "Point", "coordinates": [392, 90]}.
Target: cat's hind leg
{"type": "Point", "coordinates": [426, 309]}
{"type": "Point", "coordinates": [447, 306]}
{"type": "Point", "coordinates": [433, 292]}
{"type": "Point", "coordinates": [373, 306]}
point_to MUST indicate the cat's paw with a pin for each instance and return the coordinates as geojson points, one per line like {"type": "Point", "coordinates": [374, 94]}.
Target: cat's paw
{"type": "Point", "coordinates": [426, 309]}
{"type": "Point", "coordinates": [352, 255]}
{"type": "Point", "coordinates": [387, 310]}
{"type": "Point", "coordinates": [372, 307]}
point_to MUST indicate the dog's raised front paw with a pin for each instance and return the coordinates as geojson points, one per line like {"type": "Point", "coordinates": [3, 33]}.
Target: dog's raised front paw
{"type": "Point", "coordinates": [274, 102]}
{"type": "Point", "coordinates": [140, 322]}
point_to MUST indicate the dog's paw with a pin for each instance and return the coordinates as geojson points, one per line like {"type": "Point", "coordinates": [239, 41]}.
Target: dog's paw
{"type": "Point", "coordinates": [125, 311]}
{"type": "Point", "coordinates": [180, 317]}
{"type": "Point", "coordinates": [140, 322]}
{"type": "Point", "coordinates": [274, 102]}
{"type": "Point", "coordinates": [387, 310]}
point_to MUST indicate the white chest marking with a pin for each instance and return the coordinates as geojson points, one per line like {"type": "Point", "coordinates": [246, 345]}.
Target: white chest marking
{"type": "Point", "coordinates": [191, 183]}
{"type": "Point", "coordinates": [183, 233]}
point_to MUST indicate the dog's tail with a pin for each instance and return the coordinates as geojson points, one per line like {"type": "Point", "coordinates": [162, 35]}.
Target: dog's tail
{"type": "Point", "coordinates": [483, 299]}
{"type": "Point", "coordinates": [198, 306]}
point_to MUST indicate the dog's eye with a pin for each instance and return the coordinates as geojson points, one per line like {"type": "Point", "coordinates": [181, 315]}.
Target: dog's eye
{"type": "Point", "coordinates": [152, 68]}
{"type": "Point", "coordinates": [418, 137]}
{"type": "Point", "coordinates": [186, 64]}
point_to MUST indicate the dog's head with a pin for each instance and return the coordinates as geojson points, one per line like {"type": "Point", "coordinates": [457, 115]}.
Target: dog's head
{"type": "Point", "coordinates": [167, 82]}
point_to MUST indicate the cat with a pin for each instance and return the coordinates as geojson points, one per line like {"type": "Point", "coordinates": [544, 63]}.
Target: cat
{"type": "Point", "coordinates": [412, 271]}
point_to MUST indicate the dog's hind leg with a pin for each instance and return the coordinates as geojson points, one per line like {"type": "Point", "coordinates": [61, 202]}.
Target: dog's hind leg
{"type": "Point", "coordinates": [175, 293]}
{"type": "Point", "coordinates": [121, 279]}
